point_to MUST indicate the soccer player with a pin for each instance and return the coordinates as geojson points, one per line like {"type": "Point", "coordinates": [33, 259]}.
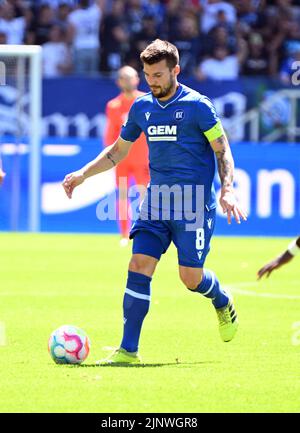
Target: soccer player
{"type": "Point", "coordinates": [184, 134]}
{"type": "Point", "coordinates": [136, 164]}
{"type": "Point", "coordinates": [285, 257]}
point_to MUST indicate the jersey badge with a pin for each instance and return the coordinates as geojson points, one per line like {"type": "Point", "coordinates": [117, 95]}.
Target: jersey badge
{"type": "Point", "coordinates": [179, 115]}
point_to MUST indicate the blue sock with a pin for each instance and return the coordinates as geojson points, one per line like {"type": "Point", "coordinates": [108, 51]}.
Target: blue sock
{"type": "Point", "coordinates": [135, 307]}
{"type": "Point", "coordinates": [210, 288]}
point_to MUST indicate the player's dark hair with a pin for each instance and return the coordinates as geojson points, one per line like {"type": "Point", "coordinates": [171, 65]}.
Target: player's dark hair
{"type": "Point", "coordinates": [159, 50]}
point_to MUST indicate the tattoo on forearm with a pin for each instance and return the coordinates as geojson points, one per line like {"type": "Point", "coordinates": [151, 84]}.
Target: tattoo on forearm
{"type": "Point", "coordinates": [110, 157]}
{"type": "Point", "coordinates": [225, 164]}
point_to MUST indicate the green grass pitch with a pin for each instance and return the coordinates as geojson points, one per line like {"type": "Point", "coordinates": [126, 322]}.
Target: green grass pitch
{"type": "Point", "coordinates": [51, 280]}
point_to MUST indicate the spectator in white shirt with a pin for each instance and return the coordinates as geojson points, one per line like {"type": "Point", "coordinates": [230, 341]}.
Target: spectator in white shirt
{"type": "Point", "coordinates": [56, 55]}
{"type": "Point", "coordinates": [222, 66]}
{"type": "Point", "coordinates": [84, 27]}
{"type": "Point", "coordinates": [211, 10]}
{"type": "Point", "coordinates": [13, 27]}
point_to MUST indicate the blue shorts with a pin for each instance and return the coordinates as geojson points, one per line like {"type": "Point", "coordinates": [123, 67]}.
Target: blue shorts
{"type": "Point", "coordinates": [192, 246]}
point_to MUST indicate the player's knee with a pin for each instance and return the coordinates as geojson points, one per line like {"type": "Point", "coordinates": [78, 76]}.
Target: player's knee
{"type": "Point", "coordinates": [142, 264]}
{"type": "Point", "coordinates": [191, 278]}
{"type": "Point", "coordinates": [191, 283]}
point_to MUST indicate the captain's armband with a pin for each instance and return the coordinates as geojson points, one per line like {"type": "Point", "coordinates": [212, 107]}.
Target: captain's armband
{"type": "Point", "coordinates": [215, 132]}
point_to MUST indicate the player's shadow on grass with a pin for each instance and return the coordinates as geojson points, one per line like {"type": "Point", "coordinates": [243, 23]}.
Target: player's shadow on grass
{"type": "Point", "coordinates": [157, 364]}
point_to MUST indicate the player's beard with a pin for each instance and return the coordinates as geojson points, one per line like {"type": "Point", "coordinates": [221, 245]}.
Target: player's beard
{"type": "Point", "coordinates": [166, 90]}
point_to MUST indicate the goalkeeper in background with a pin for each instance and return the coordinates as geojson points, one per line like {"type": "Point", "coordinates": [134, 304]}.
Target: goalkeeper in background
{"type": "Point", "coordinates": [292, 250]}
{"type": "Point", "coordinates": [136, 164]}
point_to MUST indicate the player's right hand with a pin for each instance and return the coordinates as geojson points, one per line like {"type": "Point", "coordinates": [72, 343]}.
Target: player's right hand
{"type": "Point", "coordinates": [71, 181]}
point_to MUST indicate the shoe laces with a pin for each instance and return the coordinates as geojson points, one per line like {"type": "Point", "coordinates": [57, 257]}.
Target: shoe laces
{"type": "Point", "coordinates": [224, 316]}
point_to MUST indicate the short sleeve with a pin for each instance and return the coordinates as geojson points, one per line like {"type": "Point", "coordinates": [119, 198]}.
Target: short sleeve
{"type": "Point", "coordinates": [208, 120]}
{"type": "Point", "coordinates": [130, 129]}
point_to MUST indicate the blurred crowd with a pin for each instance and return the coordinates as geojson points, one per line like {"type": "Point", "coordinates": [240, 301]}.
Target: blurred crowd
{"type": "Point", "coordinates": [216, 39]}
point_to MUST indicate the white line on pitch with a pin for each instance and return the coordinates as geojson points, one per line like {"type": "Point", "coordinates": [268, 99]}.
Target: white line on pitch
{"type": "Point", "coordinates": [109, 348]}
{"type": "Point", "coordinates": [235, 287]}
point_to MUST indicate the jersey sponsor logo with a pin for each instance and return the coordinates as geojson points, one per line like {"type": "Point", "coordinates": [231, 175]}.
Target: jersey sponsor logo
{"type": "Point", "coordinates": [162, 132]}
{"type": "Point", "coordinates": [147, 115]}
{"type": "Point", "coordinates": [179, 114]}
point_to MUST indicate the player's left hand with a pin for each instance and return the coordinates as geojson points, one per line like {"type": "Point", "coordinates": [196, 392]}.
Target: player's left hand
{"type": "Point", "coordinates": [230, 206]}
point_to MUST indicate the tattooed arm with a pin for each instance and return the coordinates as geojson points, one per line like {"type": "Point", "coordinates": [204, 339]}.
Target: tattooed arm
{"type": "Point", "coordinates": [107, 159]}
{"type": "Point", "coordinates": [226, 168]}
{"type": "Point", "coordinates": [224, 160]}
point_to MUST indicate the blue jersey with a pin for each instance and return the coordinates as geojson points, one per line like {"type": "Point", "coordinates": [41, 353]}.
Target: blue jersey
{"type": "Point", "coordinates": [176, 132]}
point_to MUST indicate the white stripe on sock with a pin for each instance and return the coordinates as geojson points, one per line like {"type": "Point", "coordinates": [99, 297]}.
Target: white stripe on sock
{"type": "Point", "coordinates": [212, 284]}
{"type": "Point", "coordinates": [137, 295]}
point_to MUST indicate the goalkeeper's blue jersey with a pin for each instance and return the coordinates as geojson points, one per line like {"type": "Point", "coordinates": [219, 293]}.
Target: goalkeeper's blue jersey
{"type": "Point", "coordinates": [176, 132]}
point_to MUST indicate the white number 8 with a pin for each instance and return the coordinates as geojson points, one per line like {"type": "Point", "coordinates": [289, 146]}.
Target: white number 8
{"type": "Point", "coordinates": [200, 240]}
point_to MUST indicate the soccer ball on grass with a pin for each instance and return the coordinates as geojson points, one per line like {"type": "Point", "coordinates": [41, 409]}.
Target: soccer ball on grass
{"type": "Point", "coordinates": [69, 345]}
